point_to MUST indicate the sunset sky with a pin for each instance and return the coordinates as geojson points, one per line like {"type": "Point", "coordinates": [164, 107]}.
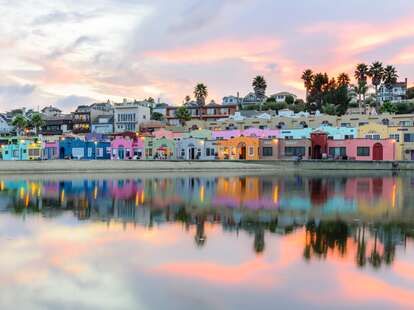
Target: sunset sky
{"type": "Point", "coordinates": [67, 53]}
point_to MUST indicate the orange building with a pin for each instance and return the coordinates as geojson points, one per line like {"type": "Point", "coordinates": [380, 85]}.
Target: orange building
{"type": "Point", "coordinates": [239, 148]}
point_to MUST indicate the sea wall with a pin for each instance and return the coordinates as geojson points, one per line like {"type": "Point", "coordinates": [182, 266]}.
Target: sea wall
{"type": "Point", "coordinates": [113, 166]}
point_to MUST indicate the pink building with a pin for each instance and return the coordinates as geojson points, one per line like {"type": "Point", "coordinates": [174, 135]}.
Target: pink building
{"type": "Point", "coordinates": [50, 150]}
{"type": "Point", "coordinates": [362, 149]}
{"type": "Point", "coordinates": [127, 148]}
{"type": "Point", "coordinates": [163, 133]}
{"type": "Point", "coordinates": [251, 132]}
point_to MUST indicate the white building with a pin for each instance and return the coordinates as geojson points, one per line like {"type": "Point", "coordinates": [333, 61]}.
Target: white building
{"type": "Point", "coordinates": [103, 124]}
{"type": "Point", "coordinates": [281, 96]}
{"type": "Point", "coordinates": [129, 115]}
{"type": "Point", "coordinates": [5, 128]}
{"type": "Point", "coordinates": [231, 100]}
{"type": "Point", "coordinates": [51, 111]}
{"type": "Point", "coordinates": [395, 93]}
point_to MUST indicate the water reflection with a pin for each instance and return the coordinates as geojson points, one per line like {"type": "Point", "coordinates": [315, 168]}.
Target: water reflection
{"type": "Point", "coordinates": [365, 217]}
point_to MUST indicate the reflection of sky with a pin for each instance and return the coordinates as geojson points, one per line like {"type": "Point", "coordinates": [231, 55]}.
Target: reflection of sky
{"type": "Point", "coordinates": [62, 262]}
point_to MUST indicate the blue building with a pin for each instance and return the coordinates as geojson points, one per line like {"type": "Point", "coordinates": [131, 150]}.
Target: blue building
{"type": "Point", "coordinates": [75, 148]}
{"type": "Point", "coordinates": [334, 133]}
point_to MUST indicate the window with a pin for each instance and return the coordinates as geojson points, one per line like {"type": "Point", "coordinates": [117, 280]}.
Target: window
{"type": "Point", "coordinates": [396, 137]}
{"type": "Point", "coordinates": [78, 152]}
{"type": "Point", "coordinates": [34, 152]}
{"type": "Point", "coordinates": [267, 151]}
{"type": "Point", "coordinates": [99, 152]}
{"type": "Point", "coordinates": [251, 151]}
{"type": "Point", "coordinates": [409, 137]}
{"type": "Point", "coordinates": [406, 123]}
{"type": "Point", "coordinates": [362, 151]}
{"type": "Point", "coordinates": [294, 150]}
{"type": "Point", "coordinates": [337, 151]}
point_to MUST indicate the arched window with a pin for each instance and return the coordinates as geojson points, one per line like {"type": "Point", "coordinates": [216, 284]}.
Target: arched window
{"type": "Point", "coordinates": [385, 121]}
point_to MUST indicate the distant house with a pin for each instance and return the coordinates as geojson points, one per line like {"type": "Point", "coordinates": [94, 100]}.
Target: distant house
{"type": "Point", "coordinates": [51, 111]}
{"type": "Point", "coordinates": [5, 127]}
{"type": "Point", "coordinates": [211, 112]}
{"type": "Point", "coordinates": [82, 120]}
{"type": "Point", "coordinates": [57, 124]}
{"type": "Point", "coordinates": [231, 100]}
{"type": "Point", "coordinates": [128, 116]}
{"type": "Point", "coordinates": [395, 93]}
{"type": "Point", "coordinates": [251, 99]}
{"type": "Point", "coordinates": [281, 96]}
{"type": "Point", "coordinates": [103, 124]}
{"type": "Point", "coordinates": [160, 108]}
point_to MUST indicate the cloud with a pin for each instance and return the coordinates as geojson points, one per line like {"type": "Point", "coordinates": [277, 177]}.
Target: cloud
{"type": "Point", "coordinates": [16, 90]}
{"type": "Point", "coordinates": [71, 102]}
{"type": "Point", "coordinates": [56, 17]}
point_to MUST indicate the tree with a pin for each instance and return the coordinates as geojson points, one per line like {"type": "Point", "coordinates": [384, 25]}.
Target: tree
{"type": "Point", "coordinates": [150, 100]}
{"type": "Point", "coordinates": [20, 122]}
{"type": "Point", "coordinates": [343, 79]}
{"type": "Point", "coordinates": [183, 114]}
{"type": "Point", "coordinates": [36, 122]}
{"type": "Point", "coordinates": [410, 93]}
{"type": "Point", "coordinates": [319, 87]}
{"type": "Point", "coordinates": [201, 93]}
{"type": "Point", "coordinates": [187, 99]}
{"type": "Point", "coordinates": [156, 116]}
{"type": "Point", "coordinates": [361, 75]}
{"type": "Point", "coordinates": [390, 76]}
{"type": "Point", "coordinates": [289, 100]}
{"type": "Point", "coordinates": [388, 107]}
{"type": "Point", "coordinates": [259, 86]}
{"type": "Point", "coordinates": [376, 73]}
{"type": "Point", "coordinates": [307, 78]}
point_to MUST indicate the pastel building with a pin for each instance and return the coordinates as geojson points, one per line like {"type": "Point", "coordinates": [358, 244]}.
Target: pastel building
{"type": "Point", "coordinates": [279, 149]}
{"type": "Point", "coordinates": [353, 149]}
{"type": "Point", "coordinates": [50, 150]}
{"type": "Point", "coordinates": [75, 148]}
{"type": "Point", "coordinates": [199, 134]}
{"type": "Point", "coordinates": [162, 148]}
{"type": "Point", "coordinates": [402, 135]}
{"type": "Point", "coordinates": [167, 134]}
{"type": "Point", "coordinates": [239, 148]}
{"type": "Point", "coordinates": [250, 132]}
{"type": "Point", "coordinates": [196, 149]}
{"type": "Point", "coordinates": [127, 148]}
{"type": "Point", "coordinates": [22, 150]}
{"type": "Point", "coordinates": [334, 133]}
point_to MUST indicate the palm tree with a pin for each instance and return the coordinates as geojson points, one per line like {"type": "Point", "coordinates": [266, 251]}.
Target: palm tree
{"type": "Point", "coordinates": [390, 76]}
{"type": "Point", "coordinates": [259, 85]}
{"type": "Point", "coordinates": [376, 73]}
{"type": "Point", "coordinates": [201, 93]}
{"type": "Point", "coordinates": [361, 75]}
{"type": "Point", "coordinates": [307, 78]}
{"type": "Point", "coordinates": [37, 121]}
{"type": "Point", "coordinates": [20, 122]}
{"type": "Point", "coordinates": [343, 79]}
{"type": "Point", "coordinates": [183, 114]}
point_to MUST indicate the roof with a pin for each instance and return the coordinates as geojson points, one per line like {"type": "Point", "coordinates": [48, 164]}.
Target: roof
{"type": "Point", "coordinates": [283, 93]}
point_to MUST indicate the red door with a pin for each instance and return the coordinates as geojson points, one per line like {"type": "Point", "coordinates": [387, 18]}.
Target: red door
{"type": "Point", "coordinates": [377, 153]}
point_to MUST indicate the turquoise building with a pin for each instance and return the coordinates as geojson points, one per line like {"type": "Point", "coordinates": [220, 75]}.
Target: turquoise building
{"type": "Point", "coordinates": [21, 150]}
{"type": "Point", "coordinates": [335, 133]}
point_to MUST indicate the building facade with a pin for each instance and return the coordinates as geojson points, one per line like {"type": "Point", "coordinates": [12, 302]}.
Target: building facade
{"type": "Point", "coordinates": [129, 115]}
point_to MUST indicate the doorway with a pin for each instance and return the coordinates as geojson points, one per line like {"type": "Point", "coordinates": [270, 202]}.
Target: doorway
{"type": "Point", "coordinates": [378, 152]}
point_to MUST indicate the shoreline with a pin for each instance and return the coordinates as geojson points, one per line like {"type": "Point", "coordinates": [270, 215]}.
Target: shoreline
{"type": "Point", "coordinates": [111, 166]}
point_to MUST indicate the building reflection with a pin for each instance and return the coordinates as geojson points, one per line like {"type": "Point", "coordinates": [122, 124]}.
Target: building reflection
{"type": "Point", "coordinates": [324, 208]}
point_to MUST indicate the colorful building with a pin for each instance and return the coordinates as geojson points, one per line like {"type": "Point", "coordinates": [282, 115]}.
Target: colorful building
{"type": "Point", "coordinates": [352, 149]}
{"type": "Point", "coordinates": [279, 149]}
{"type": "Point", "coordinates": [22, 149]}
{"type": "Point", "coordinates": [198, 134]}
{"type": "Point", "coordinates": [239, 148]}
{"type": "Point", "coordinates": [127, 148]}
{"type": "Point", "coordinates": [74, 148]}
{"type": "Point", "coordinates": [196, 149]}
{"type": "Point", "coordinates": [50, 150]}
{"type": "Point", "coordinates": [250, 132]}
{"type": "Point", "coordinates": [162, 148]}
{"type": "Point", "coordinates": [167, 134]}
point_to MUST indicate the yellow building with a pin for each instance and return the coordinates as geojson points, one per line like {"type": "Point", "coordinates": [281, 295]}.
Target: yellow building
{"type": "Point", "coordinates": [403, 135]}
{"type": "Point", "coordinates": [240, 148]}
{"type": "Point", "coordinates": [35, 150]}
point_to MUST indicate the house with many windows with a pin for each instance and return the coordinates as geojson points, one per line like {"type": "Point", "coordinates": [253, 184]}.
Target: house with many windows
{"type": "Point", "coordinates": [129, 115]}
{"type": "Point", "coordinates": [395, 93]}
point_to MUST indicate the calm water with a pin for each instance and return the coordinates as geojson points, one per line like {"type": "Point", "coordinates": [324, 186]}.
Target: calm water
{"type": "Point", "coordinates": [207, 242]}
